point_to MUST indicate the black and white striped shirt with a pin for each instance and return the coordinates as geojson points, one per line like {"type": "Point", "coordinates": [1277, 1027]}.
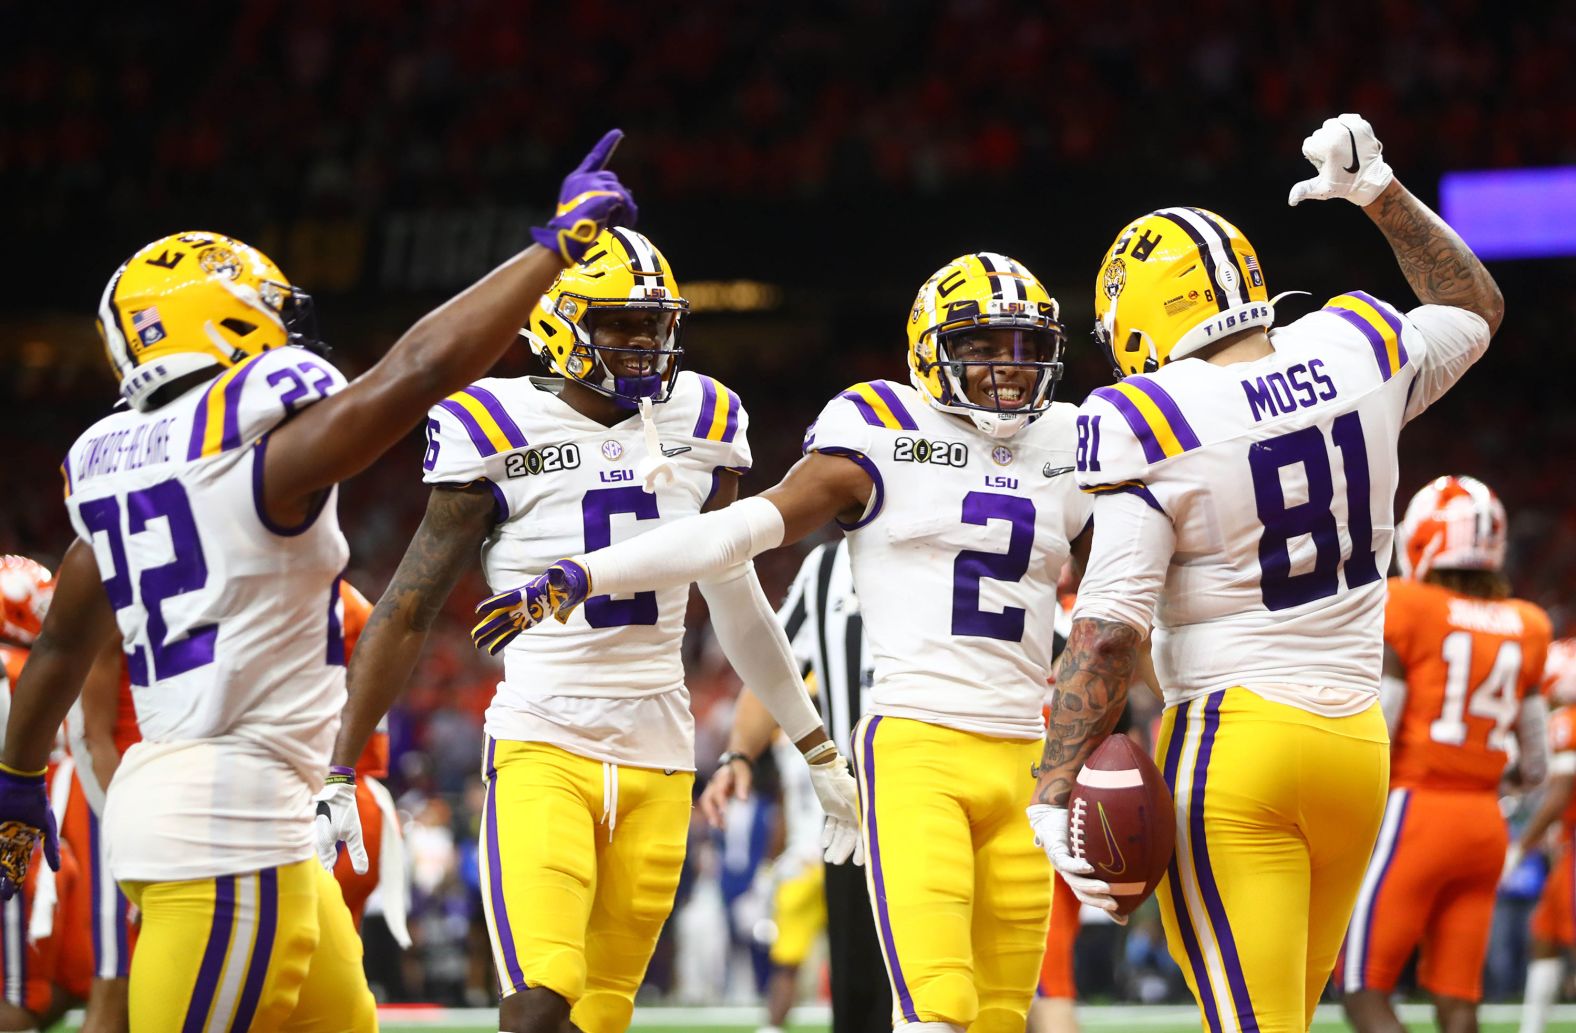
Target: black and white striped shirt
{"type": "Point", "coordinates": [821, 617]}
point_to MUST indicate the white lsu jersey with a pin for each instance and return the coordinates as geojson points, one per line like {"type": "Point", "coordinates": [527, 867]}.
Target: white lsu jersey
{"type": "Point", "coordinates": [1273, 482]}
{"type": "Point", "coordinates": [956, 558]}
{"type": "Point", "coordinates": [609, 683]}
{"type": "Point", "coordinates": [228, 622]}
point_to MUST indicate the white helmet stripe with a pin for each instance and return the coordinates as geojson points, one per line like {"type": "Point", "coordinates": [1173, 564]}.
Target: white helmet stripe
{"type": "Point", "coordinates": [114, 336]}
{"type": "Point", "coordinates": [1211, 236]}
{"type": "Point", "coordinates": [640, 252]}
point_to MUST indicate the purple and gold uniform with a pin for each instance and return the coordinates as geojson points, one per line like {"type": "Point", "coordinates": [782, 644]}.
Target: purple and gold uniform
{"type": "Point", "coordinates": [956, 560]}
{"type": "Point", "coordinates": [590, 732]}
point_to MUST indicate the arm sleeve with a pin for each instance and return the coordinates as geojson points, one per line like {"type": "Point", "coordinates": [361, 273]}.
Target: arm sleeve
{"type": "Point", "coordinates": [697, 548]}
{"type": "Point", "coordinates": [1133, 544]}
{"type": "Point", "coordinates": [1452, 339]}
{"type": "Point", "coordinates": [748, 631]}
{"type": "Point", "coordinates": [1533, 739]}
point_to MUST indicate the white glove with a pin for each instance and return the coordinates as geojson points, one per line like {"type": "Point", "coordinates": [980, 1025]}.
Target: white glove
{"type": "Point", "coordinates": [337, 820]}
{"type": "Point", "coordinates": [1050, 831]}
{"type": "Point", "coordinates": [839, 796]}
{"type": "Point", "coordinates": [1348, 158]}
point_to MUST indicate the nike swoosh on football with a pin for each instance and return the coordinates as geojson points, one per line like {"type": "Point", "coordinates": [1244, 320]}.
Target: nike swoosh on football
{"type": "Point", "coordinates": [676, 450]}
{"type": "Point", "coordinates": [1056, 472]}
{"type": "Point", "coordinates": [1352, 136]}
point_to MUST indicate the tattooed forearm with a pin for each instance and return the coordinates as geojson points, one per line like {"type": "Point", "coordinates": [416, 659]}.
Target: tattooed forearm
{"type": "Point", "coordinates": [1436, 261]}
{"type": "Point", "coordinates": [1092, 676]}
{"type": "Point", "coordinates": [452, 530]}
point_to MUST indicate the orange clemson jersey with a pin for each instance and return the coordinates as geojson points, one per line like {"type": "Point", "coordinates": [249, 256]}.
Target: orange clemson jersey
{"type": "Point", "coordinates": [355, 609]}
{"type": "Point", "coordinates": [1469, 664]}
{"type": "Point", "coordinates": [1562, 754]}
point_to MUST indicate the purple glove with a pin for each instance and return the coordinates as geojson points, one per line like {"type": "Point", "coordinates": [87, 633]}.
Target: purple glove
{"type": "Point", "coordinates": [590, 199]}
{"type": "Point", "coordinates": [25, 818]}
{"type": "Point", "coordinates": [553, 593]}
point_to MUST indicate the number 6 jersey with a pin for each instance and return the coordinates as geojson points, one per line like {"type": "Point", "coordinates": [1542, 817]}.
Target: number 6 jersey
{"type": "Point", "coordinates": [1255, 501]}
{"type": "Point", "coordinates": [956, 558]}
{"type": "Point", "coordinates": [227, 620]}
{"type": "Point", "coordinates": [608, 684]}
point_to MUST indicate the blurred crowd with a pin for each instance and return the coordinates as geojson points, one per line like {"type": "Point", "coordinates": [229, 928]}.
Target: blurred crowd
{"type": "Point", "coordinates": [116, 131]}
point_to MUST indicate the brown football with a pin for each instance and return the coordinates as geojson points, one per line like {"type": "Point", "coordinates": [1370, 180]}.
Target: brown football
{"type": "Point", "coordinates": [1121, 820]}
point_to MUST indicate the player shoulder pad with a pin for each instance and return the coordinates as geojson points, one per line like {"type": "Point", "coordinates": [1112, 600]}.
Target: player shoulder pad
{"type": "Point", "coordinates": [253, 397]}
{"type": "Point", "coordinates": [714, 418]}
{"type": "Point", "coordinates": [852, 421]}
{"type": "Point", "coordinates": [1127, 430]}
{"type": "Point", "coordinates": [1381, 329]}
{"type": "Point", "coordinates": [467, 429]}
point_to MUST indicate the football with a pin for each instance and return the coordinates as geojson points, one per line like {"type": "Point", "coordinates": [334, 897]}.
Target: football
{"type": "Point", "coordinates": [1121, 820]}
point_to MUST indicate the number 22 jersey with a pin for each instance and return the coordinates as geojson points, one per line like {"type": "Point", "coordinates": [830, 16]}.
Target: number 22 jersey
{"type": "Point", "coordinates": [228, 620]}
{"type": "Point", "coordinates": [956, 558]}
{"type": "Point", "coordinates": [1269, 487]}
{"type": "Point", "coordinates": [609, 683]}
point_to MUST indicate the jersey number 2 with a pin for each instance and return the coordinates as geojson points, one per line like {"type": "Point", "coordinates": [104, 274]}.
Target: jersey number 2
{"type": "Point", "coordinates": [973, 566]}
{"type": "Point", "coordinates": [1313, 517]}
{"type": "Point", "coordinates": [1495, 699]}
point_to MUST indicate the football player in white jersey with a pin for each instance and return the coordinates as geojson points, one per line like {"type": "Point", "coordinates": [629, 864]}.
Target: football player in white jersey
{"type": "Point", "coordinates": [956, 493]}
{"type": "Point", "coordinates": [208, 543]}
{"type": "Point", "coordinates": [590, 734]}
{"type": "Point", "coordinates": [1245, 482]}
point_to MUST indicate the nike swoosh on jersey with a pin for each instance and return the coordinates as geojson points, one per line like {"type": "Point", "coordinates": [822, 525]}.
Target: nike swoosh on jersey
{"type": "Point", "coordinates": [1353, 137]}
{"type": "Point", "coordinates": [1055, 471]}
{"type": "Point", "coordinates": [676, 450]}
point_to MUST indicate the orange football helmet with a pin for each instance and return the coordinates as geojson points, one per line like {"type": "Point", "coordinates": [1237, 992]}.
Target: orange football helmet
{"type": "Point", "coordinates": [26, 587]}
{"type": "Point", "coordinates": [1454, 523]}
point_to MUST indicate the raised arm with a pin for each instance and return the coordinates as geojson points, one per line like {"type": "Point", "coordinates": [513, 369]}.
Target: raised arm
{"type": "Point", "coordinates": [447, 349]}
{"type": "Point", "coordinates": [1437, 263]}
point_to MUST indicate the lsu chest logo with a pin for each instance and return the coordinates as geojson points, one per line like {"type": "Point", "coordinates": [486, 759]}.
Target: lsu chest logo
{"type": "Point", "coordinates": [936, 453]}
{"type": "Point", "coordinates": [547, 459]}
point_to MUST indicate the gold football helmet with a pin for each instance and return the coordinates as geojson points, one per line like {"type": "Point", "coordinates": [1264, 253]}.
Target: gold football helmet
{"type": "Point", "coordinates": [622, 270]}
{"type": "Point", "coordinates": [194, 300]}
{"type": "Point", "coordinates": [1174, 281]}
{"type": "Point", "coordinates": [984, 290]}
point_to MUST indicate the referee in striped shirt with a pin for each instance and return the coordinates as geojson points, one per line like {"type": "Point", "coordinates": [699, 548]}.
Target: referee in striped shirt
{"type": "Point", "coordinates": [822, 621]}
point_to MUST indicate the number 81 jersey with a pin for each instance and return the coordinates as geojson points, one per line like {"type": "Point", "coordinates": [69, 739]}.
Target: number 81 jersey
{"type": "Point", "coordinates": [609, 683]}
{"type": "Point", "coordinates": [957, 557]}
{"type": "Point", "coordinates": [1276, 480]}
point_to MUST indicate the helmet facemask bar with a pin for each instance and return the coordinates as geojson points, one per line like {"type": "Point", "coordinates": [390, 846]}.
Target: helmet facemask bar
{"type": "Point", "coordinates": [1031, 339]}
{"type": "Point", "coordinates": [662, 361]}
{"type": "Point", "coordinates": [299, 314]}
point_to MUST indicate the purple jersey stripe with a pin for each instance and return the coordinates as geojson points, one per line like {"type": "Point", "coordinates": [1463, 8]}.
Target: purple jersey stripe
{"type": "Point", "coordinates": [870, 468]}
{"type": "Point", "coordinates": [708, 407]}
{"type": "Point", "coordinates": [65, 469]}
{"type": "Point", "coordinates": [232, 405]}
{"type": "Point", "coordinates": [866, 410]}
{"type": "Point", "coordinates": [889, 396]}
{"type": "Point", "coordinates": [731, 427]}
{"type": "Point", "coordinates": [888, 945]}
{"type": "Point", "coordinates": [122, 968]}
{"type": "Point", "coordinates": [336, 628]}
{"type": "Point", "coordinates": [1389, 315]}
{"type": "Point", "coordinates": [515, 975]}
{"type": "Point", "coordinates": [95, 860]}
{"type": "Point", "coordinates": [1208, 889]}
{"type": "Point", "coordinates": [1375, 341]}
{"type": "Point", "coordinates": [262, 947]}
{"type": "Point", "coordinates": [1168, 408]}
{"type": "Point", "coordinates": [1128, 488]}
{"type": "Point", "coordinates": [495, 409]}
{"type": "Point", "coordinates": [1153, 452]}
{"type": "Point", "coordinates": [1173, 876]}
{"type": "Point", "coordinates": [1373, 903]}
{"type": "Point", "coordinates": [212, 955]}
{"type": "Point", "coordinates": [199, 425]}
{"type": "Point", "coordinates": [479, 438]}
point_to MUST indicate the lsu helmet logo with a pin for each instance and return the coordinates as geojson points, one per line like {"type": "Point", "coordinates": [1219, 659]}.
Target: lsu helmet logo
{"type": "Point", "coordinates": [1174, 281]}
{"type": "Point", "coordinates": [191, 301]}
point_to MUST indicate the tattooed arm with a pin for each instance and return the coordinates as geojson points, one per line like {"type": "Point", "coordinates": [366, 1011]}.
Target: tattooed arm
{"type": "Point", "coordinates": [1100, 661]}
{"type": "Point", "coordinates": [1435, 260]}
{"type": "Point", "coordinates": [451, 532]}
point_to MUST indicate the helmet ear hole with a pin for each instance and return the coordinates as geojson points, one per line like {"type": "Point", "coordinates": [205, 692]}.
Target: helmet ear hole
{"type": "Point", "coordinates": [239, 327]}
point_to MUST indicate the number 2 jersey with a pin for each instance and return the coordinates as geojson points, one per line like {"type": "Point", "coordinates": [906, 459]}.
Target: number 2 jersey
{"type": "Point", "coordinates": [608, 684]}
{"type": "Point", "coordinates": [1469, 664]}
{"type": "Point", "coordinates": [227, 620]}
{"type": "Point", "coordinates": [1259, 512]}
{"type": "Point", "coordinates": [957, 556]}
